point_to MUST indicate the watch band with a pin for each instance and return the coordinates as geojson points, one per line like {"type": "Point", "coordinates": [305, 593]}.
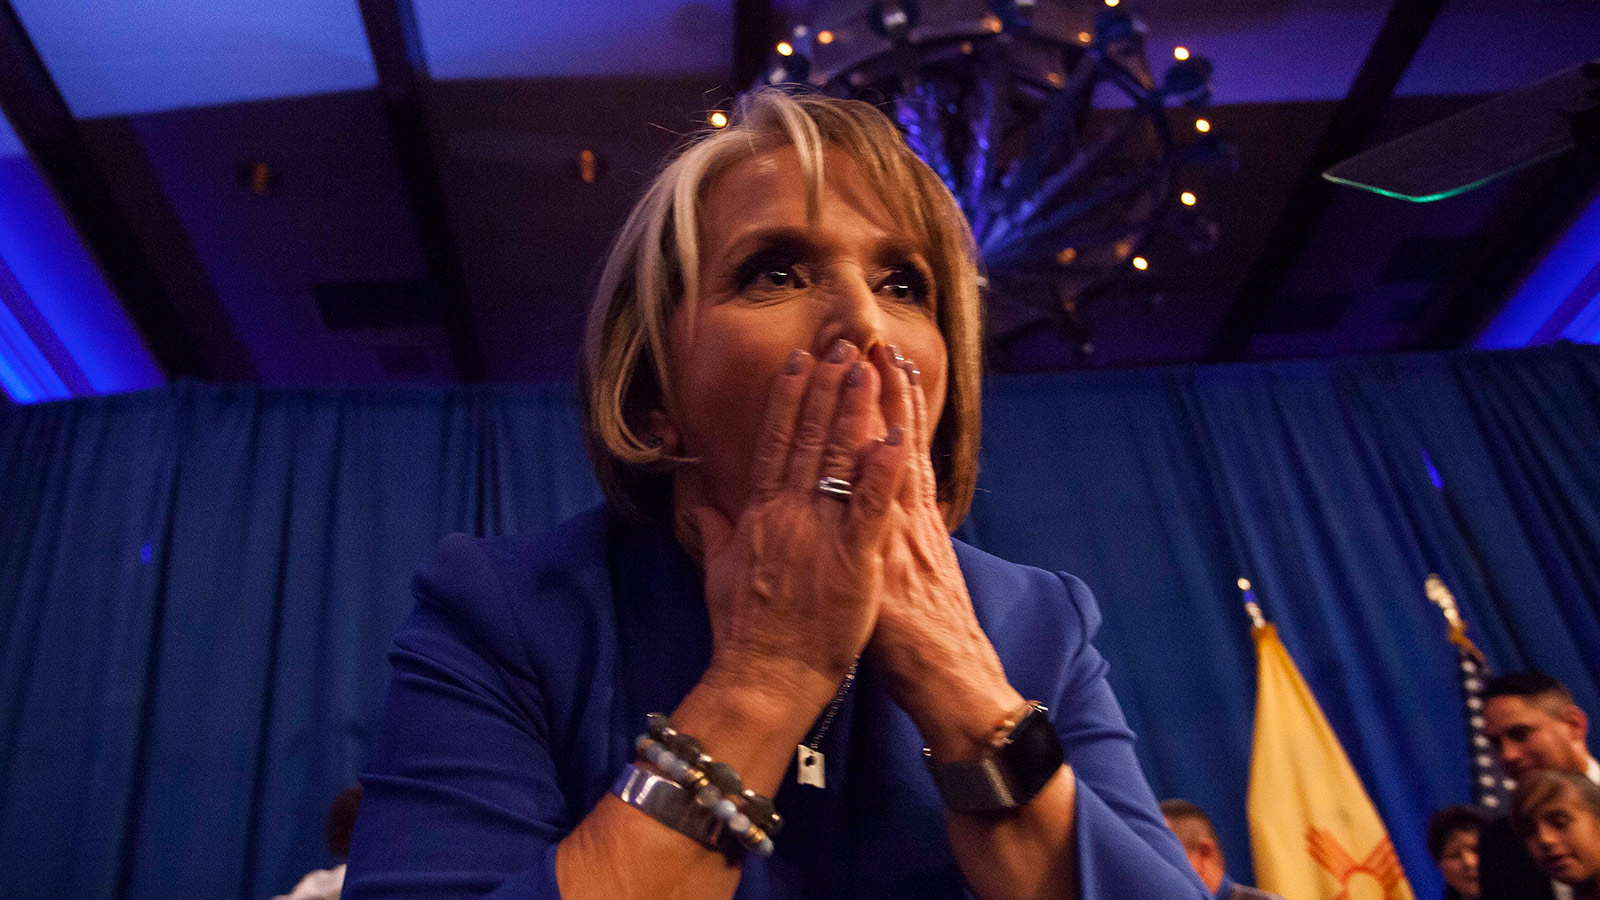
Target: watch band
{"type": "Point", "coordinates": [1024, 756]}
{"type": "Point", "coordinates": [667, 802]}
{"type": "Point", "coordinates": [976, 786]}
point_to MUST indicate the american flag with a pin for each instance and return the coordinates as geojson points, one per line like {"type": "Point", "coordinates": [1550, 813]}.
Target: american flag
{"type": "Point", "coordinates": [1489, 786]}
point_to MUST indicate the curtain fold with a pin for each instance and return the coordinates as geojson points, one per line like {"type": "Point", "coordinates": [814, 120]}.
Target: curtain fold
{"type": "Point", "coordinates": [198, 584]}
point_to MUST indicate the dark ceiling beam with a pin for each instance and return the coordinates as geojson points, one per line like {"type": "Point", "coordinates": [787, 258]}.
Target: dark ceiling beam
{"type": "Point", "coordinates": [396, 44]}
{"type": "Point", "coordinates": [1347, 133]}
{"type": "Point", "coordinates": [46, 127]}
{"type": "Point", "coordinates": [752, 39]}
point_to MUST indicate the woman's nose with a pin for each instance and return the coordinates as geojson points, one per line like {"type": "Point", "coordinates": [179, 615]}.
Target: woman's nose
{"type": "Point", "coordinates": [857, 315]}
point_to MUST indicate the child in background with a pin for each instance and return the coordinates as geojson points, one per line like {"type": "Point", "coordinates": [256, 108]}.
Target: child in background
{"type": "Point", "coordinates": [1558, 815]}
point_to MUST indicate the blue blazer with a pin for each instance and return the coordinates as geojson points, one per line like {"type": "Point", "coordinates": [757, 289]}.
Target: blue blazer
{"type": "Point", "coordinates": [525, 674]}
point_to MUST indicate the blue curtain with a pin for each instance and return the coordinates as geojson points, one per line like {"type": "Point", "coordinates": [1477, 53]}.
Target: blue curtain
{"type": "Point", "coordinates": [198, 584]}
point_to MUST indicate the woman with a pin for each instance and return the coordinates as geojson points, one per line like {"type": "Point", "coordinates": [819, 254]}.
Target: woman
{"type": "Point", "coordinates": [1453, 841]}
{"type": "Point", "coordinates": [781, 386]}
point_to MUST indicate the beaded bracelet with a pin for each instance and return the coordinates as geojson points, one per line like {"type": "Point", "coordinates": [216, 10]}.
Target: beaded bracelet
{"type": "Point", "coordinates": [716, 787]}
{"type": "Point", "coordinates": [721, 775]}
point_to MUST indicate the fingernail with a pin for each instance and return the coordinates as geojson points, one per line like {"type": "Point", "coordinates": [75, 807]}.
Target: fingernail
{"type": "Point", "coordinates": [895, 352]}
{"type": "Point", "coordinates": [796, 360]}
{"type": "Point", "coordinates": [914, 373]}
{"type": "Point", "coordinates": [839, 350]}
{"type": "Point", "coordinates": [896, 435]}
{"type": "Point", "coordinates": [852, 378]}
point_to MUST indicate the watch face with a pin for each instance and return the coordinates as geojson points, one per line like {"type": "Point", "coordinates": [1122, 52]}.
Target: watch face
{"type": "Point", "coordinates": [1032, 755]}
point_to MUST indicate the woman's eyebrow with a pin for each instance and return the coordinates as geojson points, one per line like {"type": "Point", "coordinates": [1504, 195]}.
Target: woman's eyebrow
{"type": "Point", "coordinates": [781, 237]}
{"type": "Point", "coordinates": [885, 250]}
{"type": "Point", "coordinates": [899, 249]}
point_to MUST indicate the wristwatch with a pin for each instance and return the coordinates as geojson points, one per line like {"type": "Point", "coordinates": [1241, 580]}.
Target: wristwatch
{"type": "Point", "coordinates": [1022, 758]}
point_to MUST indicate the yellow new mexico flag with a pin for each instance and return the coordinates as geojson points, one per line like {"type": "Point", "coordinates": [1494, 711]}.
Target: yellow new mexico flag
{"type": "Point", "coordinates": [1313, 830]}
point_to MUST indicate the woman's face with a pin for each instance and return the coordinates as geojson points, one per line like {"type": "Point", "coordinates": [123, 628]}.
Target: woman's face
{"type": "Point", "coordinates": [772, 282]}
{"type": "Point", "coordinates": [1565, 840]}
{"type": "Point", "coordinates": [1458, 863]}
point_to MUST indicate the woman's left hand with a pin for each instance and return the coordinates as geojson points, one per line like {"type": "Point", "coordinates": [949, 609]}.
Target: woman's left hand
{"type": "Point", "coordinates": [939, 665]}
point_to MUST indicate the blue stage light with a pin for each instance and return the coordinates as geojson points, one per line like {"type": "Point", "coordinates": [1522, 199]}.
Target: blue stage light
{"type": "Point", "coordinates": [66, 332]}
{"type": "Point", "coordinates": [1559, 299]}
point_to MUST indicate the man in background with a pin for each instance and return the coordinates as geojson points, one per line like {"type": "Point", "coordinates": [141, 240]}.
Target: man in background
{"type": "Point", "coordinates": [1199, 839]}
{"type": "Point", "coordinates": [1533, 725]}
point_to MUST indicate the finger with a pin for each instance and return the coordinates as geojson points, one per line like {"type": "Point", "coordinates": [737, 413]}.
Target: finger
{"type": "Point", "coordinates": [783, 406]}
{"type": "Point", "coordinates": [921, 486]}
{"type": "Point", "coordinates": [883, 473]}
{"type": "Point", "coordinates": [816, 417]}
{"type": "Point", "coordinates": [922, 430]}
{"type": "Point", "coordinates": [896, 399]}
{"type": "Point", "coordinates": [855, 424]}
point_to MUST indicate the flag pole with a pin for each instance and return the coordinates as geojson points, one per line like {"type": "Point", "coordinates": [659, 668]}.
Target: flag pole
{"type": "Point", "coordinates": [1257, 620]}
{"type": "Point", "coordinates": [1489, 785]}
{"type": "Point", "coordinates": [1313, 827]}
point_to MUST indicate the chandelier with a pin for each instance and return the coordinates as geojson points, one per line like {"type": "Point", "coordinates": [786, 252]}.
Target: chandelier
{"type": "Point", "coordinates": [1045, 121]}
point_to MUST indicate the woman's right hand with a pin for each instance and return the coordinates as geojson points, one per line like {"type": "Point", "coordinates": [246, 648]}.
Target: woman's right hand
{"type": "Point", "coordinates": [792, 585]}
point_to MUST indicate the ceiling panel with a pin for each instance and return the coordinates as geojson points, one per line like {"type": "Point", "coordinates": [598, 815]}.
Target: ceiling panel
{"type": "Point", "coordinates": [116, 58]}
{"type": "Point", "coordinates": [1480, 46]}
{"type": "Point", "coordinates": [558, 38]}
{"type": "Point", "coordinates": [1269, 51]}
{"type": "Point", "coordinates": [1307, 53]}
{"type": "Point", "coordinates": [333, 209]}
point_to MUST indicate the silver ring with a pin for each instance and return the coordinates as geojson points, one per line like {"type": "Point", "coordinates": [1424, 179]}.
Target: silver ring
{"type": "Point", "coordinates": [834, 487]}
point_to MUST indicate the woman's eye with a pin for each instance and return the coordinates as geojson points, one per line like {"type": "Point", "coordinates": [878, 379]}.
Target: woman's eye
{"type": "Point", "coordinates": [766, 273]}
{"type": "Point", "coordinates": [906, 284]}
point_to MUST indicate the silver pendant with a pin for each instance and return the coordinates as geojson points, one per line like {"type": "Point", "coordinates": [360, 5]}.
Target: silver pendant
{"type": "Point", "coordinates": [808, 766]}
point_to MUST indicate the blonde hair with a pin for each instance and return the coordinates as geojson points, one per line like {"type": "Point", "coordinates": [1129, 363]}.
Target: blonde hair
{"type": "Point", "coordinates": [653, 267]}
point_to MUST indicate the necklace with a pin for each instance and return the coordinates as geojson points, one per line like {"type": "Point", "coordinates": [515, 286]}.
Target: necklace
{"type": "Point", "coordinates": [808, 759]}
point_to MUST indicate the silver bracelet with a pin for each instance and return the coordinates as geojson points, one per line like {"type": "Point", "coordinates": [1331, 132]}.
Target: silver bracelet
{"type": "Point", "coordinates": [667, 802]}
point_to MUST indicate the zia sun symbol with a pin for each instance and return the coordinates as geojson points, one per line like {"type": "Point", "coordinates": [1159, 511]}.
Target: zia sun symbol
{"type": "Point", "coordinates": [1378, 877]}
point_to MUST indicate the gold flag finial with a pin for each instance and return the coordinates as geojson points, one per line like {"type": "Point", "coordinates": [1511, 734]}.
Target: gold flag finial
{"type": "Point", "coordinates": [1435, 588]}
{"type": "Point", "coordinates": [1441, 596]}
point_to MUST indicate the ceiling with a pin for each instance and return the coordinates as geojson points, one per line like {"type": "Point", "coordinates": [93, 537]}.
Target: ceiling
{"type": "Point", "coordinates": [437, 229]}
